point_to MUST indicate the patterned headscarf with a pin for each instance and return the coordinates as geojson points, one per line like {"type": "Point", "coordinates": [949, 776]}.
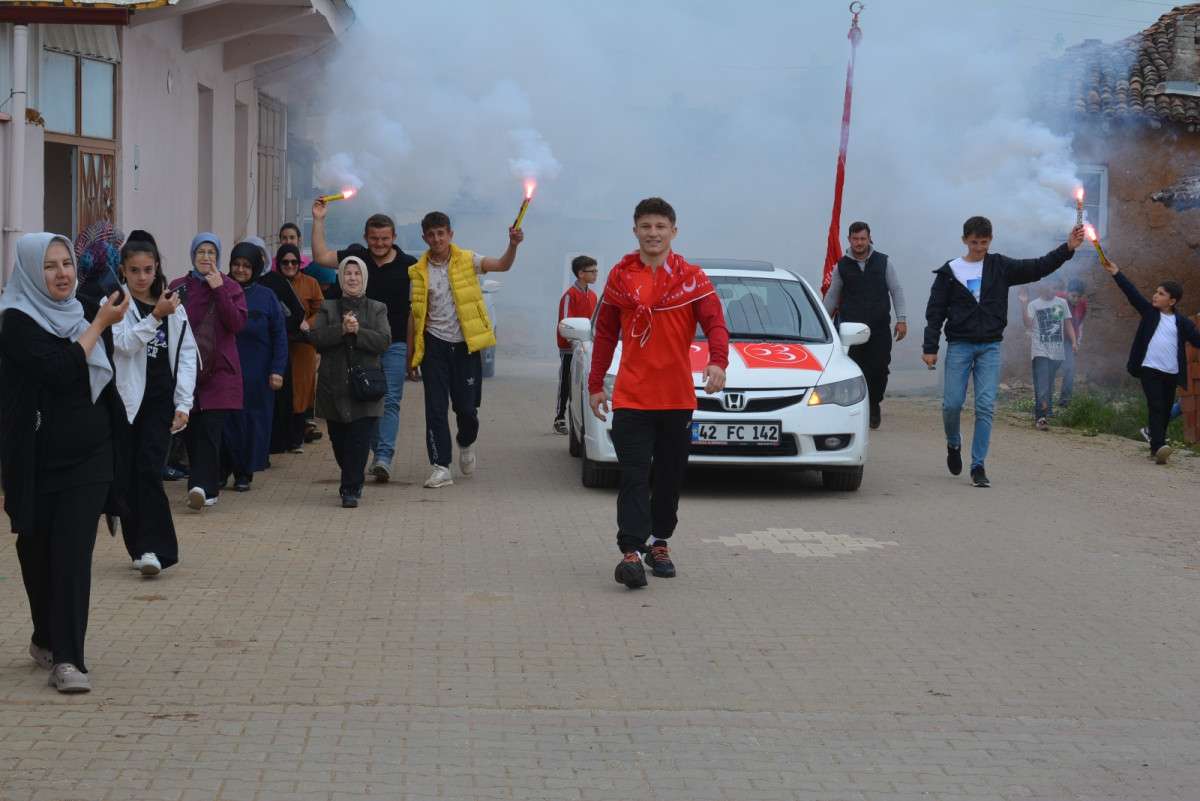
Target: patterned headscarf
{"type": "Point", "coordinates": [98, 251]}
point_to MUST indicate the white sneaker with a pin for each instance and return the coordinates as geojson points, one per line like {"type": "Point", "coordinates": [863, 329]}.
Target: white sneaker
{"type": "Point", "coordinates": [440, 477]}
{"type": "Point", "coordinates": [466, 460]}
{"type": "Point", "coordinates": [196, 500]}
{"type": "Point", "coordinates": [136, 564]}
{"type": "Point", "coordinates": [210, 501]}
{"type": "Point", "coordinates": [149, 565]}
{"type": "Point", "coordinates": [1163, 454]}
{"type": "Point", "coordinates": [66, 678]}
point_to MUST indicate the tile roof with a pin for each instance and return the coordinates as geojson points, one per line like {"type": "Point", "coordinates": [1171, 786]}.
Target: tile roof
{"type": "Point", "coordinates": [1153, 75]}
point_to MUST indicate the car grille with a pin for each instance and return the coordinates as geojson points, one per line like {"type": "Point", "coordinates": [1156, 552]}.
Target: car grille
{"type": "Point", "coordinates": [786, 447]}
{"type": "Point", "coordinates": [753, 405]}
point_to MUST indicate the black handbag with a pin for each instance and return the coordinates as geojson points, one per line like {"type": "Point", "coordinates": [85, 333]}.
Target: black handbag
{"type": "Point", "coordinates": [367, 384]}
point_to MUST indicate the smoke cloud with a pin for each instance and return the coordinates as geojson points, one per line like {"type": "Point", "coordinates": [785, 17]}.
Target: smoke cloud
{"type": "Point", "coordinates": [730, 111]}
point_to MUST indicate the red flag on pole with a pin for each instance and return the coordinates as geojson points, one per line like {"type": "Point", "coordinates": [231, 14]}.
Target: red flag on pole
{"type": "Point", "coordinates": [833, 249]}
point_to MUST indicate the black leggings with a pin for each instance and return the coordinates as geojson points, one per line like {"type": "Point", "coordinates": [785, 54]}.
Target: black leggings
{"type": "Point", "coordinates": [56, 566]}
{"type": "Point", "coordinates": [149, 527]}
{"type": "Point", "coordinates": [204, 450]}
{"type": "Point", "coordinates": [351, 445]}
{"type": "Point", "coordinates": [564, 386]}
{"type": "Point", "coordinates": [1160, 397]}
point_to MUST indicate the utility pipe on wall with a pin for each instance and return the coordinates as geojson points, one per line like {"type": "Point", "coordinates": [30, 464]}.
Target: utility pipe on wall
{"type": "Point", "coordinates": [16, 161]}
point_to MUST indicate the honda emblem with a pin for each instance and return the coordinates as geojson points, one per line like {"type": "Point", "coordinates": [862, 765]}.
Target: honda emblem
{"type": "Point", "coordinates": [733, 401]}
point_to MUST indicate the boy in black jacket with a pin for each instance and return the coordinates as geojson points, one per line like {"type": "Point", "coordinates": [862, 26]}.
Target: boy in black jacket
{"type": "Point", "coordinates": [969, 298]}
{"type": "Point", "coordinates": [1158, 356]}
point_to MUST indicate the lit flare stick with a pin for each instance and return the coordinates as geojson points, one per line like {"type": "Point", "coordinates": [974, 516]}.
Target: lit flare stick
{"type": "Point", "coordinates": [1079, 206]}
{"type": "Point", "coordinates": [1091, 234]}
{"type": "Point", "coordinates": [345, 194]}
{"type": "Point", "coordinates": [530, 185]}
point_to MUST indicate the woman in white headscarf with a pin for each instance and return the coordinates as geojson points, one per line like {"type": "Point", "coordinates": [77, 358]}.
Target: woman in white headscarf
{"type": "Point", "coordinates": [351, 331]}
{"type": "Point", "coordinates": [60, 423]}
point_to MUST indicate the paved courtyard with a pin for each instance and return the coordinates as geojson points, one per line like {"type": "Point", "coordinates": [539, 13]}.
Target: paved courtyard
{"type": "Point", "coordinates": [919, 639]}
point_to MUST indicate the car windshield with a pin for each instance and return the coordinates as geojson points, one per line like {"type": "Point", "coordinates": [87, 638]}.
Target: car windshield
{"type": "Point", "coordinates": [767, 308]}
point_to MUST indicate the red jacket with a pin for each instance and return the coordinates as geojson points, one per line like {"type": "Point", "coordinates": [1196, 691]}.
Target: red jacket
{"type": "Point", "coordinates": [575, 302]}
{"type": "Point", "coordinates": [655, 371]}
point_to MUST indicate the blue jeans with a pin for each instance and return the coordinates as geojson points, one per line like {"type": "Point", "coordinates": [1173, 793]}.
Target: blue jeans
{"type": "Point", "coordinates": [962, 360]}
{"type": "Point", "coordinates": [395, 368]}
{"type": "Point", "coordinates": [1043, 386]}
{"type": "Point", "coordinates": [1068, 375]}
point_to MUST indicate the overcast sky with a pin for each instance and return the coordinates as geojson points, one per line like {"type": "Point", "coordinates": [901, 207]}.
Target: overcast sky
{"type": "Point", "coordinates": [730, 110]}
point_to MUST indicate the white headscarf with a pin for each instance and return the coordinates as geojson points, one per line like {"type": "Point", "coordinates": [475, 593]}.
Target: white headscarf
{"type": "Point", "coordinates": [26, 292]}
{"type": "Point", "coordinates": [341, 269]}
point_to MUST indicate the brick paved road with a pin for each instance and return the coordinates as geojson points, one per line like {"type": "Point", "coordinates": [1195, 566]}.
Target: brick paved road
{"type": "Point", "coordinates": [918, 640]}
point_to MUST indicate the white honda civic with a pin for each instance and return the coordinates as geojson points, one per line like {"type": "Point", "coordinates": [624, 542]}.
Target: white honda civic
{"type": "Point", "coordinates": [793, 398]}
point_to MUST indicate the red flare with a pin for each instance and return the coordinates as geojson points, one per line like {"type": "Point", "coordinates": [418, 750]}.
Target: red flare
{"type": "Point", "coordinates": [530, 185]}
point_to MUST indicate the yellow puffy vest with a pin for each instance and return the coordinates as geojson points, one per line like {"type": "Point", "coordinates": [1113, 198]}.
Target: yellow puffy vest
{"type": "Point", "coordinates": [468, 302]}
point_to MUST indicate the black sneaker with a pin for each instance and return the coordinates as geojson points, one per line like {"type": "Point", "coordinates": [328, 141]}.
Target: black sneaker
{"type": "Point", "coordinates": [630, 571]}
{"type": "Point", "coordinates": [241, 484]}
{"type": "Point", "coordinates": [349, 501]}
{"type": "Point", "coordinates": [172, 473]}
{"type": "Point", "coordinates": [979, 477]}
{"type": "Point", "coordinates": [954, 460]}
{"type": "Point", "coordinates": [658, 559]}
{"type": "Point", "coordinates": [876, 418]}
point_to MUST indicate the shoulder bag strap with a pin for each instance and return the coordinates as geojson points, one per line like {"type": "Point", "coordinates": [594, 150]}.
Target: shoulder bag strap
{"type": "Point", "coordinates": [352, 359]}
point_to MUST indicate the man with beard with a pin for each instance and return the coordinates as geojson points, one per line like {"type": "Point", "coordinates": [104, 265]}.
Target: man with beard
{"type": "Point", "coordinates": [863, 289]}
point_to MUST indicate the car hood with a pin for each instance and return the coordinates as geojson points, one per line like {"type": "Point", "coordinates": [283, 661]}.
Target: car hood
{"type": "Point", "coordinates": [762, 364]}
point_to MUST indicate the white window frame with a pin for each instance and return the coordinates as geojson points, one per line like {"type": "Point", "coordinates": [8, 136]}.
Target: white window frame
{"type": "Point", "coordinates": [1100, 170]}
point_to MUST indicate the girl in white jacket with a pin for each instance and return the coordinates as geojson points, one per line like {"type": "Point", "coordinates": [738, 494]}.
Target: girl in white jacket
{"type": "Point", "coordinates": [156, 360]}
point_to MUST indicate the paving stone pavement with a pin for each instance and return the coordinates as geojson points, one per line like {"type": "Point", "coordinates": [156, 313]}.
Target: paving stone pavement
{"type": "Point", "coordinates": [1032, 641]}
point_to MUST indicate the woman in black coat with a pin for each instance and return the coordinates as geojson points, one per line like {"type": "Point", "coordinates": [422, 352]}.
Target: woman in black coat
{"type": "Point", "coordinates": [59, 412]}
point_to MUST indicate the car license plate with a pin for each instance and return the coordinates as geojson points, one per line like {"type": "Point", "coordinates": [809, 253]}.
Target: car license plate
{"type": "Point", "coordinates": [740, 433]}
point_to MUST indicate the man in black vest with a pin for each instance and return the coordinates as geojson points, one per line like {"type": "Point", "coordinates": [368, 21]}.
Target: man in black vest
{"type": "Point", "coordinates": [863, 289]}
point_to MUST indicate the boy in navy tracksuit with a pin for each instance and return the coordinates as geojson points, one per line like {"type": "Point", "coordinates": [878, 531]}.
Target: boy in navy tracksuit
{"type": "Point", "coordinates": [1158, 356]}
{"type": "Point", "coordinates": [577, 301]}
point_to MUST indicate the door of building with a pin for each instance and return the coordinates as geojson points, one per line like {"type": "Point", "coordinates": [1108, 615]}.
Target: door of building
{"type": "Point", "coordinates": [272, 167]}
{"type": "Point", "coordinates": [96, 187]}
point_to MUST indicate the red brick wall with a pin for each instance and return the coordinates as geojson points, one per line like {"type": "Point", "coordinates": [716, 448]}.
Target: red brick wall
{"type": "Point", "coordinates": [1189, 398]}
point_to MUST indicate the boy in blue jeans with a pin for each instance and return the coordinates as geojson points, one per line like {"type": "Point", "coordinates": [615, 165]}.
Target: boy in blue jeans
{"type": "Point", "coordinates": [969, 299]}
{"type": "Point", "coordinates": [1048, 319]}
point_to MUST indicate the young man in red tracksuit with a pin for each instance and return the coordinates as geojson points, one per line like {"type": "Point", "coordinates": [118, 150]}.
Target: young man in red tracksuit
{"type": "Point", "coordinates": [652, 301]}
{"type": "Point", "coordinates": [577, 301]}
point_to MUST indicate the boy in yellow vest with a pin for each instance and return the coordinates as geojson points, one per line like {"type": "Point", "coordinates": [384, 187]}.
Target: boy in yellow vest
{"type": "Point", "coordinates": [447, 329]}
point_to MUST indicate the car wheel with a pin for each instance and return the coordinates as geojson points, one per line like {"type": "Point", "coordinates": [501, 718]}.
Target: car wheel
{"type": "Point", "coordinates": [594, 475]}
{"type": "Point", "coordinates": [842, 480]}
{"type": "Point", "coordinates": [573, 445]}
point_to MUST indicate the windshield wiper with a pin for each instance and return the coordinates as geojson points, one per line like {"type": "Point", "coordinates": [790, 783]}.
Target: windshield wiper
{"type": "Point", "coordinates": [782, 337]}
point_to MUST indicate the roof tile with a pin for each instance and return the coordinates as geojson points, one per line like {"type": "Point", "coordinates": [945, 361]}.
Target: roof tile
{"type": "Point", "coordinates": [1129, 77]}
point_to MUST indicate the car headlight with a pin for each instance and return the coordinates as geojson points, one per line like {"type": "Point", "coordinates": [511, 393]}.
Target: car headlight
{"type": "Point", "coordinates": [843, 393]}
{"type": "Point", "coordinates": [610, 381]}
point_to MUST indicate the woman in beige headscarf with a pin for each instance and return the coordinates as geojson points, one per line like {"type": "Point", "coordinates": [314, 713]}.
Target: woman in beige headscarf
{"type": "Point", "coordinates": [352, 330]}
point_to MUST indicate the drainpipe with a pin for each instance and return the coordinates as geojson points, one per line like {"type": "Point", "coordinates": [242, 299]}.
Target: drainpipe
{"type": "Point", "coordinates": [16, 161]}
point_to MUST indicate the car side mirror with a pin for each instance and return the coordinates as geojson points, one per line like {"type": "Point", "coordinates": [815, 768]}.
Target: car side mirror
{"type": "Point", "coordinates": [575, 329]}
{"type": "Point", "coordinates": [853, 334]}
